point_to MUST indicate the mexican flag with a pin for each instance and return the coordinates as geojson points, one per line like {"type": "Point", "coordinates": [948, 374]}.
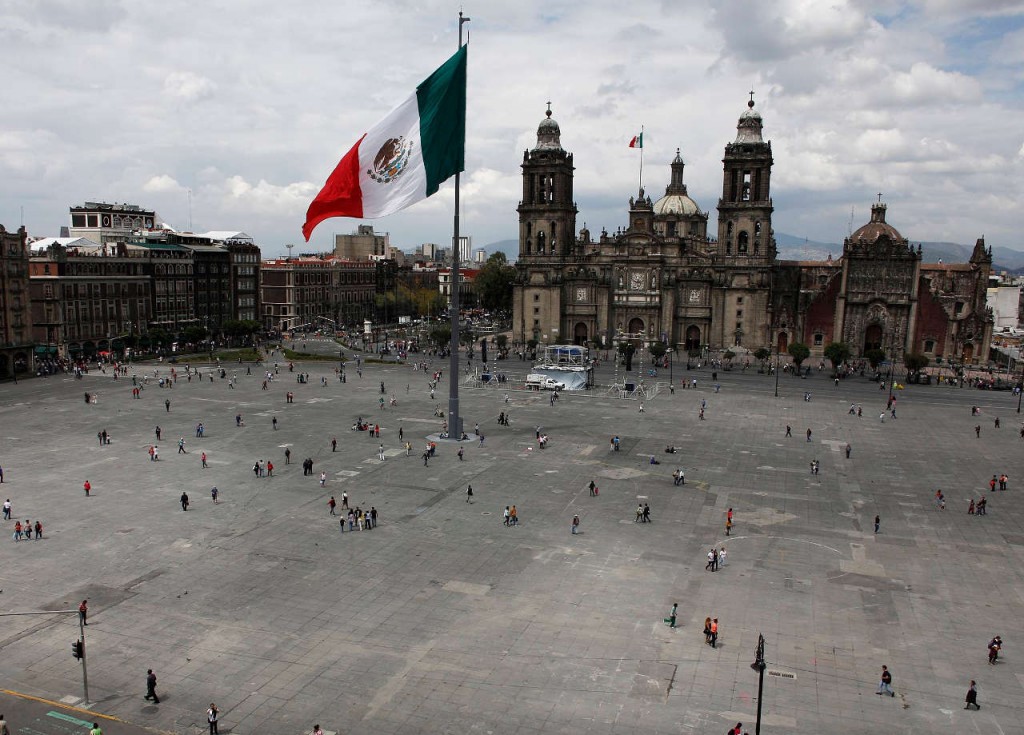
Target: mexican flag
{"type": "Point", "coordinates": [637, 142]}
{"type": "Point", "coordinates": [405, 157]}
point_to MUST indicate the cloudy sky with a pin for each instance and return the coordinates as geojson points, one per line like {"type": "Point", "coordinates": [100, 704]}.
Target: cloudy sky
{"type": "Point", "coordinates": [250, 104]}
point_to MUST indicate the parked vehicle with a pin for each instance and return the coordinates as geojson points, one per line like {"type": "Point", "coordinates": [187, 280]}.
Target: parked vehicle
{"type": "Point", "coordinates": [536, 381]}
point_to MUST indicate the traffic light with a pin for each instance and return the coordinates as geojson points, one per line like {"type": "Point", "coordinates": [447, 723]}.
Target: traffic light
{"type": "Point", "coordinates": [78, 649]}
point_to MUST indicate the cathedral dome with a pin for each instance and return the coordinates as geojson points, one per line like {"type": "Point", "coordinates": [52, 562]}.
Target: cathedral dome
{"type": "Point", "coordinates": [676, 204]}
{"type": "Point", "coordinates": [676, 200]}
{"type": "Point", "coordinates": [877, 228]}
{"type": "Point", "coordinates": [549, 136]}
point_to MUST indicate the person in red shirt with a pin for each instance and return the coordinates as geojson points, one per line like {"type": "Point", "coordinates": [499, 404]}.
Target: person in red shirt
{"type": "Point", "coordinates": [270, 468]}
{"type": "Point", "coordinates": [87, 486]}
{"type": "Point", "coordinates": [83, 612]}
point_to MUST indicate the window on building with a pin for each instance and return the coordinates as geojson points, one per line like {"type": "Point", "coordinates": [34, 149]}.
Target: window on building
{"type": "Point", "coordinates": [745, 195]}
{"type": "Point", "coordinates": [958, 308]}
{"type": "Point", "coordinates": [818, 339]}
{"type": "Point", "coordinates": [929, 345]}
{"type": "Point", "coordinates": [536, 297]}
{"type": "Point", "coordinates": [739, 300]}
{"type": "Point", "coordinates": [536, 322]}
{"type": "Point", "coordinates": [739, 313]}
{"type": "Point", "coordinates": [536, 310]}
{"type": "Point", "coordinates": [741, 243]}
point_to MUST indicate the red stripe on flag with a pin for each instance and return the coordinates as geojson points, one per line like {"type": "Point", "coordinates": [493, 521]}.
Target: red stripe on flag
{"type": "Point", "coordinates": [341, 195]}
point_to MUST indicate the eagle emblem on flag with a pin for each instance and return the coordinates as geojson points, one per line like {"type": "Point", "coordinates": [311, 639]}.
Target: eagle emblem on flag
{"type": "Point", "coordinates": [390, 161]}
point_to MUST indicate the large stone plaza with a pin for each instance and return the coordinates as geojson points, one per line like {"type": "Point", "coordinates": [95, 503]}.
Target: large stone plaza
{"type": "Point", "coordinates": [442, 620]}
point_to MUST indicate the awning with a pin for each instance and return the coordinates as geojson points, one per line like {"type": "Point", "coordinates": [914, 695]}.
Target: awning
{"type": "Point", "coordinates": [45, 350]}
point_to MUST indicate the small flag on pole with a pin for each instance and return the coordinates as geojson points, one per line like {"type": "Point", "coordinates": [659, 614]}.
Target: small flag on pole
{"type": "Point", "coordinates": [637, 142]}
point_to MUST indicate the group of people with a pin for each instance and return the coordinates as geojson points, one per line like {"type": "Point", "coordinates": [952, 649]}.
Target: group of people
{"type": "Point", "coordinates": [716, 559]}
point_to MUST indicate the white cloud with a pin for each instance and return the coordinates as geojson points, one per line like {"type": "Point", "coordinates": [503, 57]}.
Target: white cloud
{"type": "Point", "coordinates": [188, 86]}
{"type": "Point", "coordinates": [161, 184]}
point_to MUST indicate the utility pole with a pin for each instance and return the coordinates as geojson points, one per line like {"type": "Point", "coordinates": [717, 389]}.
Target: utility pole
{"type": "Point", "coordinates": [759, 666]}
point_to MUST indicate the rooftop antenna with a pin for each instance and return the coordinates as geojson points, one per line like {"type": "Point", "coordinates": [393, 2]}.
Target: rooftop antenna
{"type": "Point", "coordinates": [849, 227]}
{"type": "Point", "coordinates": [190, 210]}
{"type": "Point", "coordinates": [290, 246]}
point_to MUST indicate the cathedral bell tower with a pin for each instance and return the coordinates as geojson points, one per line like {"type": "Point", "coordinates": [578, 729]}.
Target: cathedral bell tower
{"type": "Point", "coordinates": [745, 209]}
{"type": "Point", "coordinates": [547, 213]}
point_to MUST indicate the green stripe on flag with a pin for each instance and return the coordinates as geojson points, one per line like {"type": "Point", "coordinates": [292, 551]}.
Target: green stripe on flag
{"type": "Point", "coordinates": [441, 100]}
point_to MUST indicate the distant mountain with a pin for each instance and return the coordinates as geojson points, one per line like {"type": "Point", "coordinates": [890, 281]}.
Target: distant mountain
{"type": "Point", "coordinates": [792, 247]}
{"type": "Point", "coordinates": [509, 247]}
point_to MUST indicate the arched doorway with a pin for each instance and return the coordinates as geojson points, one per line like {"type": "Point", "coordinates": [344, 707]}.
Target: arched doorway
{"type": "Point", "coordinates": [4, 366]}
{"type": "Point", "coordinates": [872, 338]}
{"type": "Point", "coordinates": [692, 337]}
{"type": "Point", "coordinates": [968, 352]}
{"type": "Point", "coordinates": [636, 325]}
{"type": "Point", "coordinates": [782, 344]}
{"type": "Point", "coordinates": [579, 335]}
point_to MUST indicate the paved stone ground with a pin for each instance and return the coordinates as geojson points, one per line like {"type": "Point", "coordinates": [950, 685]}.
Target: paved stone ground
{"type": "Point", "coordinates": [442, 620]}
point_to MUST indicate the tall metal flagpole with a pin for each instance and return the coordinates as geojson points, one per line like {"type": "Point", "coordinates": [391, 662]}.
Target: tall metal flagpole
{"type": "Point", "coordinates": [454, 419]}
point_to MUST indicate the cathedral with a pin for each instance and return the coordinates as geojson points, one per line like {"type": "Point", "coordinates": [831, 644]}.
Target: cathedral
{"type": "Point", "coordinates": [662, 278]}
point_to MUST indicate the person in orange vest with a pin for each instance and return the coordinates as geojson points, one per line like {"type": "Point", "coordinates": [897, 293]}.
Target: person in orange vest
{"type": "Point", "coordinates": [714, 633]}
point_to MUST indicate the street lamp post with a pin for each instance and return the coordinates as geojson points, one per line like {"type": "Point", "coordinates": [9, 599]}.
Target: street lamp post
{"type": "Point", "coordinates": [777, 357]}
{"type": "Point", "coordinates": [759, 666]}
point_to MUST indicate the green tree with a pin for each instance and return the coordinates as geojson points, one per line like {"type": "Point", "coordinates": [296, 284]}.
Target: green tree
{"type": "Point", "coordinates": [875, 358]}
{"type": "Point", "coordinates": [762, 354]}
{"type": "Point", "coordinates": [799, 352]}
{"type": "Point", "coordinates": [915, 362]}
{"type": "Point", "coordinates": [837, 353]}
{"type": "Point", "coordinates": [195, 335]}
{"type": "Point", "coordinates": [493, 283]}
{"type": "Point", "coordinates": [441, 335]}
{"type": "Point", "coordinates": [657, 350]}
{"type": "Point", "coordinates": [502, 341]}
{"type": "Point", "coordinates": [729, 355]}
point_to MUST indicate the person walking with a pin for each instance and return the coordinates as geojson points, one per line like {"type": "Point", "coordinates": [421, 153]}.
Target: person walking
{"type": "Point", "coordinates": [334, 444]}
{"type": "Point", "coordinates": [714, 633]}
{"type": "Point", "coordinates": [184, 501]}
{"type": "Point", "coordinates": [323, 479]}
{"type": "Point", "coordinates": [181, 445]}
{"type": "Point", "coordinates": [4, 730]}
{"type": "Point", "coordinates": [789, 430]}
{"type": "Point", "coordinates": [878, 522]}
{"type": "Point", "coordinates": [593, 488]}
{"type": "Point", "coordinates": [273, 422]}
{"type": "Point", "coordinates": [885, 684]}
{"type": "Point", "coordinates": [460, 453]}
{"type": "Point", "coordinates": [332, 503]}
{"type": "Point", "coordinates": [212, 715]}
{"type": "Point", "coordinates": [848, 450]}
{"type": "Point", "coordinates": [87, 486]}
{"type": "Point", "coordinates": [469, 494]}
{"type": "Point", "coordinates": [203, 458]}
{"type": "Point", "coordinates": [728, 526]}
{"type": "Point", "coordinates": [151, 687]}
{"type": "Point", "coordinates": [575, 524]}
{"type": "Point", "coordinates": [215, 494]}
{"type": "Point", "coordinates": [95, 730]}
{"type": "Point", "coordinates": [972, 696]}
{"type": "Point", "coordinates": [7, 509]}
{"type": "Point", "coordinates": [83, 612]}
{"type": "Point", "coordinates": [808, 435]}
{"type": "Point", "coordinates": [167, 405]}
{"type": "Point", "coordinates": [287, 456]}
{"type": "Point", "coordinates": [707, 630]}
{"type": "Point", "coordinates": [671, 619]}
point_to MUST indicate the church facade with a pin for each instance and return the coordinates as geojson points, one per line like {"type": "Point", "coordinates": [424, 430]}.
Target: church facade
{"type": "Point", "coordinates": [663, 278]}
